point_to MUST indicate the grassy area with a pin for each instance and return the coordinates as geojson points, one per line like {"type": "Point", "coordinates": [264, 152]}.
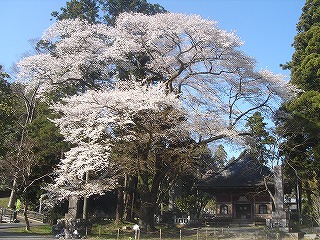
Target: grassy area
{"type": "Point", "coordinates": [167, 234]}
{"type": "Point", "coordinates": [110, 232]}
{"type": "Point", "coordinates": [125, 232]}
{"type": "Point", "coordinates": [4, 202]}
{"type": "Point", "coordinates": [41, 230]}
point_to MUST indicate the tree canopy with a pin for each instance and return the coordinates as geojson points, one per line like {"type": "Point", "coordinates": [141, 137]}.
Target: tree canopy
{"type": "Point", "coordinates": [201, 64]}
{"type": "Point", "coordinates": [164, 84]}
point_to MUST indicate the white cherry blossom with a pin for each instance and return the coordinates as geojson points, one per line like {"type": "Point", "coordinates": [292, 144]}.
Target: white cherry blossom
{"type": "Point", "coordinates": [89, 120]}
{"type": "Point", "coordinates": [191, 55]}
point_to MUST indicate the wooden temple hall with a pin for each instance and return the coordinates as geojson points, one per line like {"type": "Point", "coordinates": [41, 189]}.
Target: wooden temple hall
{"type": "Point", "coordinates": [240, 192]}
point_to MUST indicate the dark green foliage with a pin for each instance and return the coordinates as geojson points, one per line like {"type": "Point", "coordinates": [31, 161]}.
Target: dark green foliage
{"type": "Point", "coordinates": [310, 16]}
{"type": "Point", "coordinates": [299, 120]}
{"type": "Point", "coordinates": [31, 145]}
{"type": "Point", "coordinates": [301, 150]}
{"type": "Point", "coordinates": [307, 106]}
{"type": "Point", "coordinates": [6, 117]}
{"type": "Point", "coordinates": [305, 62]}
{"type": "Point", "coordinates": [49, 144]}
{"type": "Point", "coordinates": [307, 75]}
{"type": "Point", "coordinates": [83, 9]}
{"type": "Point", "coordinates": [112, 8]}
{"type": "Point", "coordinates": [105, 10]}
{"type": "Point", "coordinates": [6, 100]}
{"type": "Point", "coordinates": [7, 103]}
{"type": "Point", "coordinates": [301, 147]}
{"type": "Point", "coordinates": [30, 149]}
{"type": "Point", "coordinates": [189, 199]}
{"type": "Point", "coordinates": [220, 157]}
{"type": "Point", "coordinates": [259, 140]}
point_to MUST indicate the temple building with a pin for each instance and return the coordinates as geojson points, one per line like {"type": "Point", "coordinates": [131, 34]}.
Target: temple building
{"type": "Point", "coordinates": [241, 191]}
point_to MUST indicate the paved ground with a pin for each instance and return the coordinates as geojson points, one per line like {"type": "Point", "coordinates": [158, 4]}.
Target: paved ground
{"type": "Point", "coordinates": [238, 233]}
{"type": "Point", "coordinates": [14, 236]}
{"type": "Point", "coordinates": [7, 234]}
{"type": "Point", "coordinates": [232, 233]}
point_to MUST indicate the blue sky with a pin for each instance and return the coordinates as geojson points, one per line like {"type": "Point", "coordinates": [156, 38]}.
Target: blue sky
{"type": "Point", "coordinates": [266, 26]}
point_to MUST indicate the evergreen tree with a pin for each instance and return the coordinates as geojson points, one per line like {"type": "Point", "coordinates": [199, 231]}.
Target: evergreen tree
{"type": "Point", "coordinates": [220, 157]}
{"type": "Point", "coordinates": [6, 108]}
{"type": "Point", "coordinates": [108, 9]}
{"type": "Point", "coordinates": [83, 9]}
{"type": "Point", "coordinates": [6, 118]}
{"type": "Point", "coordinates": [299, 120]}
{"type": "Point", "coordinates": [260, 142]}
{"type": "Point", "coordinates": [112, 8]}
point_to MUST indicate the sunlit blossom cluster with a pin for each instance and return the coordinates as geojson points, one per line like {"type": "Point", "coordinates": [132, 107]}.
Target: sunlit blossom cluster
{"type": "Point", "coordinates": [79, 161]}
{"type": "Point", "coordinates": [88, 115]}
{"type": "Point", "coordinates": [89, 119]}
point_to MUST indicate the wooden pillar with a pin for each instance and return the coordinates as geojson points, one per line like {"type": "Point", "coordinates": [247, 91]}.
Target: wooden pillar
{"type": "Point", "coordinates": [254, 208]}
{"type": "Point", "coordinates": [232, 206]}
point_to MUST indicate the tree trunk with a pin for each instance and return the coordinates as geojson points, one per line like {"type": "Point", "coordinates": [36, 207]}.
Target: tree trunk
{"type": "Point", "coordinates": [126, 198]}
{"type": "Point", "coordinates": [119, 210]}
{"type": "Point", "coordinates": [72, 208]}
{"type": "Point", "coordinates": [148, 204]}
{"type": "Point", "coordinates": [132, 206]}
{"type": "Point", "coordinates": [127, 206]}
{"type": "Point", "coordinates": [85, 208]}
{"type": "Point", "coordinates": [316, 208]}
{"type": "Point", "coordinates": [150, 187]}
{"type": "Point", "coordinates": [13, 195]}
{"type": "Point", "coordinates": [129, 199]}
{"type": "Point", "coordinates": [147, 211]}
{"type": "Point", "coordinates": [25, 214]}
{"type": "Point", "coordinates": [85, 201]}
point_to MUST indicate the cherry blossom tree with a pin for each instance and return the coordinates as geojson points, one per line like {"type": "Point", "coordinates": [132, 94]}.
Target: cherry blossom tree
{"type": "Point", "coordinates": [191, 55]}
{"type": "Point", "coordinates": [195, 86]}
{"type": "Point", "coordinates": [144, 116]}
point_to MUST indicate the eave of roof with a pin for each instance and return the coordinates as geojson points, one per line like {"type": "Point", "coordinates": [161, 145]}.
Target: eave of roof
{"type": "Point", "coordinates": [244, 172]}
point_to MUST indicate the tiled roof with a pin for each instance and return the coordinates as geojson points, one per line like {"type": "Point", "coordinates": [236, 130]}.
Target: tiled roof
{"type": "Point", "coordinates": [242, 172]}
